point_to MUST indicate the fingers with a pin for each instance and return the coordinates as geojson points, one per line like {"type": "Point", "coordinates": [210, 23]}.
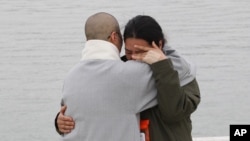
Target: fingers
{"type": "Point", "coordinates": [143, 48]}
{"type": "Point", "coordinates": [150, 55]}
{"type": "Point", "coordinates": [154, 45]}
{"type": "Point", "coordinates": [64, 118]}
{"type": "Point", "coordinates": [63, 109]}
{"type": "Point", "coordinates": [65, 127]}
{"type": "Point", "coordinates": [139, 56]}
{"type": "Point", "coordinates": [65, 123]}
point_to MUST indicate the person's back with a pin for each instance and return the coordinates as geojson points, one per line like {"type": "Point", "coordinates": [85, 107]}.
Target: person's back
{"type": "Point", "coordinates": [104, 103]}
{"type": "Point", "coordinates": [103, 94]}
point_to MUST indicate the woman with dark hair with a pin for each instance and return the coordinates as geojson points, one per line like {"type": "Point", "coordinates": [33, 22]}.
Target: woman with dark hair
{"type": "Point", "coordinates": [178, 96]}
{"type": "Point", "coordinates": [146, 28]}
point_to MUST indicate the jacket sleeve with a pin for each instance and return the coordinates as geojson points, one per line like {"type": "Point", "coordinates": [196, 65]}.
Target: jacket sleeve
{"type": "Point", "coordinates": [174, 102]}
{"type": "Point", "coordinates": [56, 125]}
{"type": "Point", "coordinates": [55, 121]}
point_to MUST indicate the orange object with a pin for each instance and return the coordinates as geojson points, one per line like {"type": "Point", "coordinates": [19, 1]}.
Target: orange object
{"type": "Point", "coordinates": [144, 127]}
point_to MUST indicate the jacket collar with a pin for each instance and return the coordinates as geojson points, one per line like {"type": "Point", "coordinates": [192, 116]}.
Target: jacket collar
{"type": "Point", "coordinates": [100, 49]}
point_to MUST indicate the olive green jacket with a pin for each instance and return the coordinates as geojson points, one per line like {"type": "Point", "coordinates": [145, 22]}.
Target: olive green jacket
{"type": "Point", "coordinates": [170, 119]}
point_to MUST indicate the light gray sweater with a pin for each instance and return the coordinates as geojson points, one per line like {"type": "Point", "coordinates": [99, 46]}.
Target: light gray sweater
{"type": "Point", "coordinates": [104, 95]}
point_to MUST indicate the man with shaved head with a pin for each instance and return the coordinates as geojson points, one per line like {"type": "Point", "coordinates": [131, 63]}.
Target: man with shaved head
{"type": "Point", "coordinates": [105, 27]}
{"type": "Point", "coordinates": [100, 25]}
{"type": "Point", "coordinates": [100, 92]}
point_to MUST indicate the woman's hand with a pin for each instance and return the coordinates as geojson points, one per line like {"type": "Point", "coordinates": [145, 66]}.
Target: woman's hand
{"type": "Point", "coordinates": [65, 123]}
{"type": "Point", "coordinates": [150, 55]}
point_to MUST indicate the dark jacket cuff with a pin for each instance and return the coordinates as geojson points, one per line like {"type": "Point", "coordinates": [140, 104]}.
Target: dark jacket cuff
{"type": "Point", "coordinates": [162, 66]}
{"type": "Point", "coordinates": [56, 126]}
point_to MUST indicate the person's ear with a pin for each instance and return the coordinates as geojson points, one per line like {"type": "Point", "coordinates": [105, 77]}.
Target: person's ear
{"type": "Point", "coordinates": [113, 36]}
{"type": "Point", "coordinates": [160, 44]}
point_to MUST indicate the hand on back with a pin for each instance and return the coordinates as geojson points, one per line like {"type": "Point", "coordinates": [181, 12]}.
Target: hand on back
{"type": "Point", "coordinates": [65, 123]}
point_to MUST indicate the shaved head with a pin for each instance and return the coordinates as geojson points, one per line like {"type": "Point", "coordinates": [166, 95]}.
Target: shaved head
{"type": "Point", "coordinates": [100, 26]}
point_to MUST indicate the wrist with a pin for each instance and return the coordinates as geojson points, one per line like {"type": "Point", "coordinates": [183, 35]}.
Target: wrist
{"type": "Point", "coordinates": [56, 125]}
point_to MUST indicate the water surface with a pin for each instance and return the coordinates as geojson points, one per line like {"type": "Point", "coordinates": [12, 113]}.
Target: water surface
{"type": "Point", "coordinates": [41, 40]}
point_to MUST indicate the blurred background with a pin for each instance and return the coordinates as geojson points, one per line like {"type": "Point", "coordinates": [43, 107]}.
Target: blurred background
{"type": "Point", "coordinates": [41, 40]}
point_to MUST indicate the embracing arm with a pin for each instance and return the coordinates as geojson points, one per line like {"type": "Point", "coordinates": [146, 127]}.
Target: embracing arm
{"type": "Point", "coordinates": [174, 102]}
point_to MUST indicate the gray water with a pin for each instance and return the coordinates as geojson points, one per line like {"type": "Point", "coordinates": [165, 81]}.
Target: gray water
{"type": "Point", "coordinates": [41, 40]}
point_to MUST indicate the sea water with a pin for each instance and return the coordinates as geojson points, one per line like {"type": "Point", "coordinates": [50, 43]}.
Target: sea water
{"type": "Point", "coordinates": [41, 40]}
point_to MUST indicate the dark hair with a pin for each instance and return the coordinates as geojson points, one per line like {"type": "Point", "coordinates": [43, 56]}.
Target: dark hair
{"type": "Point", "coordinates": [144, 27]}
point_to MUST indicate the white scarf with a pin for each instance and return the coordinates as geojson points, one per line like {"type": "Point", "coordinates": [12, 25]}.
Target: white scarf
{"type": "Point", "coordinates": [100, 49]}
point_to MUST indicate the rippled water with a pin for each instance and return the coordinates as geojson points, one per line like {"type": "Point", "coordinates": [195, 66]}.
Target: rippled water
{"type": "Point", "coordinates": [41, 40]}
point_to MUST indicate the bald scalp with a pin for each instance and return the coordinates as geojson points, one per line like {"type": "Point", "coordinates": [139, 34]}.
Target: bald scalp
{"type": "Point", "coordinates": [100, 26]}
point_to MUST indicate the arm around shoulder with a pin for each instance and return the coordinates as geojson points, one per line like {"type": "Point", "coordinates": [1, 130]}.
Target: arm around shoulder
{"type": "Point", "coordinates": [174, 102]}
